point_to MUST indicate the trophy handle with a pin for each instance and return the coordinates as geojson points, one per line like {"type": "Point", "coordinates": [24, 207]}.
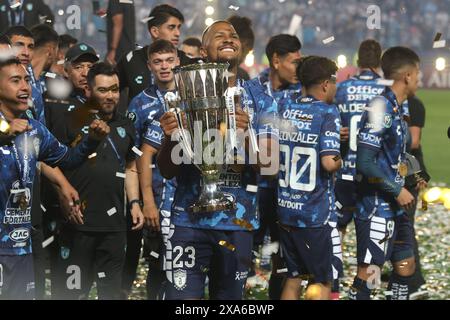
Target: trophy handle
{"type": "Point", "coordinates": [171, 104]}
{"type": "Point", "coordinates": [230, 99]}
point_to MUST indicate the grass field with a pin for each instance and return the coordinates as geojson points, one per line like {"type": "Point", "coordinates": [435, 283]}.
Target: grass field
{"type": "Point", "coordinates": [435, 143]}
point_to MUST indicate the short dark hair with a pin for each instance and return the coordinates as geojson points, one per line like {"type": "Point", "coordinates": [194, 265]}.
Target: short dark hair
{"type": "Point", "coordinates": [193, 42]}
{"type": "Point", "coordinates": [396, 58]}
{"type": "Point", "coordinates": [4, 39]}
{"type": "Point", "coordinates": [66, 40]}
{"type": "Point", "coordinates": [313, 70]}
{"type": "Point", "coordinates": [243, 27]}
{"type": "Point", "coordinates": [282, 45]}
{"type": "Point", "coordinates": [18, 31]}
{"type": "Point", "coordinates": [161, 46]}
{"type": "Point", "coordinates": [43, 34]}
{"type": "Point", "coordinates": [100, 68]}
{"type": "Point", "coordinates": [10, 61]}
{"type": "Point", "coordinates": [160, 14]}
{"type": "Point", "coordinates": [369, 54]}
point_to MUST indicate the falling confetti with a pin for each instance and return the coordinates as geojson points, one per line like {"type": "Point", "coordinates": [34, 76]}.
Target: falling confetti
{"type": "Point", "coordinates": [439, 44]}
{"type": "Point", "coordinates": [147, 19]}
{"type": "Point", "coordinates": [243, 223]}
{"type": "Point", "coordinates": [92, 155]}
{"type": "Point", "coordinates": [385, 82]}
{"type": "Point", "coordinates": [43, 208]}
{"type": "Point", "coordinates": [328, 40]}
{"type": "Point", "coordinates": [101, 275]}
{"type": "Point", "coordinates": [252, 188]}
{"type": "Point", "coordinates": [120, 175]}
{"type": "Point", "coordinates": [111, 211]}
{"type": "Point", "coordinates": [227, 245]}
{"type": "Point", "coordinates": [154, 254]}
{"type": "Point", "coordinates": [137, 151]}
{"type": "Point", "coordinates": [233, 8]}
{"type": "Point", "coordinates": [48, 241]}
{"type": "Point", "coordinates": [15, 5]}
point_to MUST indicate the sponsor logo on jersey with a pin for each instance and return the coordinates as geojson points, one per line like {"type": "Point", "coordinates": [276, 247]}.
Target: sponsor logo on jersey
{"type": "Point", "coordinates": [19, 234]}
{"type": "Point", "coordinates": [121, 132]}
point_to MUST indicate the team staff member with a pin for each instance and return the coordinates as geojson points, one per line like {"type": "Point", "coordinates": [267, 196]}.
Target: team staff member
{"type": "Point", "coordinates": [280, 83]}
{"type": "Point", "coordinates": [30, 142]}
{"type": "Point", "coordinates": [28, 13]}
{"type": "Point", "coordinates": [97, 246]}
{"type": "Point", "coordinates": [195, 244]}
{"type": "Point", "coordinates": [165, 23]}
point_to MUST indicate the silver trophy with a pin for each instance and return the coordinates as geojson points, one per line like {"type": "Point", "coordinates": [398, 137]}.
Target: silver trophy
{"type": "Point", "coordinates": [201, 105]}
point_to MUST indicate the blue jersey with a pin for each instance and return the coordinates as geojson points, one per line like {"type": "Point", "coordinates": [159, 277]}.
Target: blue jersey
{"type": "Point", "coordinates": [309, 130]}
{"type": "Point", "coordinates": [352, 96]}
{"type": "Point", "coordinates": [382, 129]}
{"type": "Point", "coordinates": [284, 96]}
{"type": "Point", "coordinates": [35, 145]}
{"type": "Point", "coordinates": [239, 185]}
{"type": "Point", "coordinates": [38, 104]}
{"type": "Point", "coordinates": [145, 110]}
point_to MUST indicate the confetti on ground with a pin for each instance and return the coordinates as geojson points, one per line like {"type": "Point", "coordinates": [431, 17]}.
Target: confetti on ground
{"type": "Point", "coordinates": [227, 245]}
{"type": "Point", "coordinates": [120, 175]}
{"type": "Point", "coordinates": [328, 40]}
{"type": "Point", "coordinates": [111, 211]}
{"type": "Point", "coordinates": [137, 151]}
{"type": "Point", "coordinates": [48, 241]}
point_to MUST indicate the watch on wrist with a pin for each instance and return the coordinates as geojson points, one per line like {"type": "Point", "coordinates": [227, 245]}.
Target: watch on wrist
{"type": "Point", "coordinates": [132, 202]}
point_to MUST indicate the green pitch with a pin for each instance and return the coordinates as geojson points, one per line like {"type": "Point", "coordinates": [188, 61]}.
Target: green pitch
{"type": "Point", "coordinates": [435, 143]}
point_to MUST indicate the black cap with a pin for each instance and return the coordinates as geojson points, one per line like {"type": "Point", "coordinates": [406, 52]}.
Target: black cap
{"type": "Point", "coordinates": [80, 49]}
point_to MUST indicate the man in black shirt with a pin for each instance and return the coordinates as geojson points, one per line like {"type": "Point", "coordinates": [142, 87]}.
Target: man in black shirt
{"type": "Point", "coordinates": [417, 122]}
{"type": "Point", "coordinates": [95, 250]}
{"type": "Point", "coordinates": [164, 22]}
{"type": "Point", "coordinates": [26, 12]}
{"type": "Point", "coordinates": [120, 29]}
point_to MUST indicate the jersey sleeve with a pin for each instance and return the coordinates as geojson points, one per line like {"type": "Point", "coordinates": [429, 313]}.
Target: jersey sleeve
{"type": "Point", "coordinates": [51, 151]}
{"type": "Point", "coordinates": [153, 135]}
{"type": "Point", "coordinates": [373, 124]}
{"type": "Point", "coordinates": [329, 133]}
{"type": "Point", "coordinates": [134, 116]}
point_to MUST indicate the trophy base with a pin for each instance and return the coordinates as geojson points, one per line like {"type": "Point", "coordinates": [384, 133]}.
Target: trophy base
{"type": "Point", "coordinates": [211, 205]}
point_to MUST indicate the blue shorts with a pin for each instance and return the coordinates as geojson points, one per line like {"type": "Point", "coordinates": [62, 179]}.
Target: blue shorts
{"type": "Point", "coordinates": [380, 239]}
{"type": "Point", "coordinates": [192, 254]}
{"type": "Point", "coordinates": [314, 253]}
{"type": "Point", "coordinates": [345, 192]}
{"type": "Point", "coordinates": [17, 277]}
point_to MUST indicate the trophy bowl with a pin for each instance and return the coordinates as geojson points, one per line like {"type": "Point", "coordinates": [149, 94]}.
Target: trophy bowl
{"type": "Point", "coordinates": [201, 88]}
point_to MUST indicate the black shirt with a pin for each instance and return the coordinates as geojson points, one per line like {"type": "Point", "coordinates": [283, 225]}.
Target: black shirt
{"type": "Point", "coordinates": [101, 190]}
{"type": "Point", "coordinates": [128, 37]}
{"type": "Point", "coordinates": [417, 119]}
{"type": "Point", "coordinates": [134, 73]}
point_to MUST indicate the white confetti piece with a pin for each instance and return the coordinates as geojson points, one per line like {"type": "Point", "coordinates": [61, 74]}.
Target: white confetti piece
{"type": "Point", "coordinates": [48, 21]}
{"type": "Point", "coordinates": [137, 151]}
{"type": "Point", "coordinates": [304, 283]}
{"type": "Point", "coordinates": [154, 254]}
{"type": "Point", "coordinates": [43, 208]}
{"type": "Point", "coordinates": [120, 175]}
{"type": "Point", "coordinates": [16, 191]}
{"type": "Point", "coordinates": [50, 75]}
{"type": "Point", "coordinates": [284, 270]}
{"type": "Point", "coordinates": [103, 15]}
{"type": "Point", "coordinates": [439, 44]}
{"type": "Point", "coordinates": [252, 188]}
{"type": "Point", "coordinates": [92, 155]}
{"type": "Point", "coordinates": [152, 166]}
{"type": "Point", "coordinates": [111, 211]}
{"type": "Point", "coordinates": [388, 293]}
{"type": "Point", "coordinates": [294, 25]}
{"type": "Point", "coordinates": [15, 5]}
{"type": "Point", "coordinates": [338, 205]}
{"type": "Point", "coordinates": [233, 8]}
{"type": "Point", "coordinates": [101, 275]}
{"type": "Point", "coordinates": [60, 62]}
{"type": "Point", "coordinates": [328, 40]}
{"type": "Point", "coordinates": [47, 271]}
{"type": "Point", "coordinates": [48, 241]}
{"type": "Point", "coordinates": [347, 177]}
{"type": "Point", "coordinates": [385, 82]}
{"type": "Point", "coordinates": [147, 19]}
{"type": "Point", "coordinates": [126, 1]}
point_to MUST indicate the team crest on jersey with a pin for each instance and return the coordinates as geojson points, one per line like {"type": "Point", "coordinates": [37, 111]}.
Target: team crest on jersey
{"type": "Point", "coordinates": [29, 6]}
{"type": "Point", "coordinates": [3, 8]}
{"type": "Point", "coordinates": [132, 116]}
{"type": "Point", "coordinates": [121, 132]}
{"type": "Point", "coordinates": [387, 122]}
{"type": "Point", "coordinates": [65, 252]}
{"type": "Point", "coordinates": [179, 279]}
{"type": "Point", "coordinates": [29, 114]}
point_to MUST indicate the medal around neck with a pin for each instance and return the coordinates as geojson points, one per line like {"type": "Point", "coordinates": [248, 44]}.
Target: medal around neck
{"type": "Point", "coordinates": [202, 91]}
